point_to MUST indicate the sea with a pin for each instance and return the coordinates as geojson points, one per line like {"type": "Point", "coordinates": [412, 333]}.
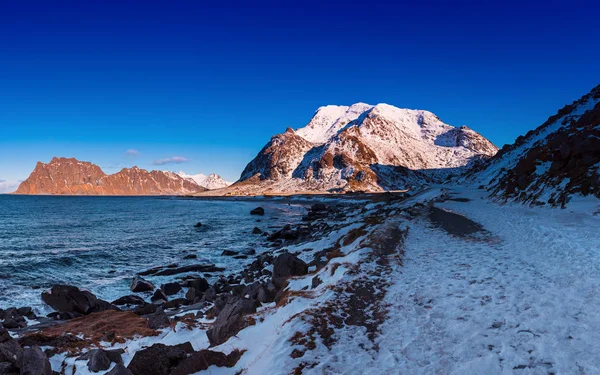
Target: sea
{"type": "Point", "coordinates": [100, 243]}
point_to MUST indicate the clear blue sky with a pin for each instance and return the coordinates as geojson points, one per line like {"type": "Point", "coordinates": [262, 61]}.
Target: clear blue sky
{"type": "Point", "coordinates": [212, 81]}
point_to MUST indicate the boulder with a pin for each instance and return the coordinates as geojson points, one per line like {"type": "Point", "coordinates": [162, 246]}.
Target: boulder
{"type": "Point", "coordinates": [10, 350]}
{"type": "Point", "coordinates": [159, 359]}
{"type": "Point", "coordinates": [146, 309]}
{"type": "Point", "coordinates": [138, 285]}
{"type": "Point", "coordinates": [175, 303]}
{"type": "Point", "coordinates": [35, 362]}
{"type": "Point", "coordinates": [256, 230]}
{"type": "Point", "coordinates": [158, 320]}
{"type": "Point", "coordinates": [131, 299]}
{"type": "Point", "coordinates": [70, 299]}
{"type": "Point", "coordinates": [203, 359]}
{"type": "Point", "coordinates": [285, 266]}
{"type": "Point", "coordinates": [190, 256]}
{"type": "Point", "coordinates": [192, 295]}
{"type": "Point", "coordinates": [198, 225]}
{"type": "Point", "coordinates": [100, 359]}
{"type": "Point", "coordinates": [170, 288]}
{"type": "Point", "coordinates": [159, 296]}
{"type": "Point", "coordinates": [119, 369]}
{"type": "Point", "coordinates": [229, 253]}
{"type": "Point", "coordinates": [258, 211]}
{"type": "Point", "coordinates": [231, 320]}
{"type": "Point", "coordinates": [27, 311]}
{"type": "Point", "coordinates": [200, 284]}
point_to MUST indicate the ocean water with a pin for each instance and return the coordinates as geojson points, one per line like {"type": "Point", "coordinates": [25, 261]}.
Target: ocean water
{"type": "Point", "coordinates": [45, 240]}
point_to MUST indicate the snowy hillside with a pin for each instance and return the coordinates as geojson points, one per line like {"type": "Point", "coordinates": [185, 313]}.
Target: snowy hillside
{"type": "Point", "coordinates": [211, 182]}
{"type": "Point", "coordinates": [553, 162]}
{"type": "Point", "coordinates": [365, 147]}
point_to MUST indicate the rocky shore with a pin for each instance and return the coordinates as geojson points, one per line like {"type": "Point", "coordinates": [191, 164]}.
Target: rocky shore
{"type": "Point", "coordinates": [85, 334]}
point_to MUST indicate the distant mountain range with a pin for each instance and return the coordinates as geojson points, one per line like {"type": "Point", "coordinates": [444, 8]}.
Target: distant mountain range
{"type": "Point", "coordinates": [376, 148]}
{"type": "Point", "coordinates": [69, 176]}
{"type": "Point", "coordinates": [211, 182]}
{"type": "Point", "coordinates": [364, 147]}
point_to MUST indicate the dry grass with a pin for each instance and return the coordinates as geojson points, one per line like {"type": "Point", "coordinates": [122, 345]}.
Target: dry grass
{"type": "Point", "coordinates": [118, 325]}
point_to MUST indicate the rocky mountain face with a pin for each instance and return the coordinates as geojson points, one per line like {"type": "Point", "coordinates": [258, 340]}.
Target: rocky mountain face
{"type": "Point", "coordinates": [553, 162]}
{"type": "Point", "coordinates": [211, 182]}
{"type": "Point", "coordinates": [69, 176]}
{"type": "Point", "coordinates": [364, 147]}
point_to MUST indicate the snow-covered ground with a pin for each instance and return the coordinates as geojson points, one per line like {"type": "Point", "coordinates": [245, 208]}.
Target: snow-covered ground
{"type": "Point", "coordinates": [520, 296]}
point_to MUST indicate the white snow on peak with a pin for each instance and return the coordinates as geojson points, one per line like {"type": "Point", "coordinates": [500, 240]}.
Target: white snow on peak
{"type": "Point", "coordinates": [211, 182]}
{"type": "Point", "coordinates": [328, 120]}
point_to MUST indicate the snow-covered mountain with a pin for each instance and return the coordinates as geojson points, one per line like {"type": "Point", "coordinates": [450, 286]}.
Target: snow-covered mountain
{"type": "Point", "coordinates": [211, 182]}
{"type": "Point", "coordinates": [364, 147]}
{"type": "Point", "coordinates": [553, 162]}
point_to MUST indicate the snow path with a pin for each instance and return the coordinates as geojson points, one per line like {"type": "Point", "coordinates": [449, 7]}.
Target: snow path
{"type": "Point", "coordinates": [524, 302]}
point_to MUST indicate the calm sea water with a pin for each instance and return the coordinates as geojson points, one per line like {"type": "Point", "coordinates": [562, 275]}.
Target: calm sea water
{"type": "Point", "coordinates": [78, 240]}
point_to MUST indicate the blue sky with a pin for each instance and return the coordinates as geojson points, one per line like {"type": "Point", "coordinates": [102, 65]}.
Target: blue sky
{"type": "Point", "coordinates": [210, 82]}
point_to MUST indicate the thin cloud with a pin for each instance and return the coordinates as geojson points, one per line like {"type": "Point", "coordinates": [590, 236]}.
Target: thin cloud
{"type": "Point", "coordinates": [8, 186]}
{"type": "Point", "coordinates": [171, 160]}
{"type": "Point", "coordinates": [132, 152]}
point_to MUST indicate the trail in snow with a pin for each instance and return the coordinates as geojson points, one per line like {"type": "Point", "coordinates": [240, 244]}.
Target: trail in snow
{"type": "Point", "coordinates": [525, 301]}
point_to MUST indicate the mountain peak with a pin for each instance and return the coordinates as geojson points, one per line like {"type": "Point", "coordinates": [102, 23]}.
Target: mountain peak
{"type": "Point", "coordinates": [211, 182]}
{"type": "Point", "coordinates": [365, 147]}
{"type": "Point", "coordinates": [69, 176]}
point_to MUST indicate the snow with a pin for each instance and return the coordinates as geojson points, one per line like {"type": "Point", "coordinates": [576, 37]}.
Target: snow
{"type": "Point", "coordinates": [499, 166]}
{"type": "Point", "coordinates": [328, 120]}
{"type": "Point", "coordinates": [212, 181]}
{"type": "Point", "coordinates": [519, 298]}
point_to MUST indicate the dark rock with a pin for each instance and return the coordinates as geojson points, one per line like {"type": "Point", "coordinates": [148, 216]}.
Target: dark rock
{"type": "Point", "coordinates": [318, 207]}
{"type": "Point", "coordinates": [258, 211]}
{"type": "Point", "coordinates": [198, 225]}
{"type": "Point", "coordinates": [146, 309]}
{"type": "Point", "coordinates": [98, 361]}
{"type": "Point", "coordinates": [56, 315]}
{"type": "Point", "coordinates": [27, 311]}
{"type": "Point", "coordinates": [10, 350]}
{"type": "Point", "coordinates": [203, 359]}
{"type": "Point", "coordinates": [140, 285]}
{"type": "Point", "coordinates": [240, 257]}
{"type": "Point", "coordinates": [210, 294]}
{"type": "Point", "coordinates": [192, 295]}
{"type": "Point", "coordinates": [35, 362]}
{"type": "Point", "coordinates": [129, 300]}
{"type": "Point", "coordinates": [175, 303]}
{"type": "Point", "coordinates": [256, 230]}
{"type": "Point", "coordinates": [170, 288]}
{"type": "Point", "coordinates": [150, 361]}
{"type": "Point", "coordinates": [190, 256]}
{"type": "Point", "coordinates": [13, 324]}
{"type": "Point", "coordinates": [158, 320]}
{"type": "Point", "coordinates": [263, 292]}
{"type": "Point", "coordinates": [8, 369]}
{"type": "Point", "coordinates": [119, 369]}
{"type": "Point", "coordinates": [249, 252]}
{"type": "Point", "coordinates": [231, 320]}
{"type": "Point", "coordinates": [162, 271]}
{"type": "Point", "coordinates": [67, 298]}
{"type": "Point", "coordinates": [159, 359]}
{"type": "Point", "coordinates": [200, 284]}
{"type": "Point", "coordinates": [316, 281]}
{"type": "Point", "coordinates": [159, 296]}
{"type": "Point", "coordinates": [285, 266]}
{"type": "Point", "coordinates": [229, 253]}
